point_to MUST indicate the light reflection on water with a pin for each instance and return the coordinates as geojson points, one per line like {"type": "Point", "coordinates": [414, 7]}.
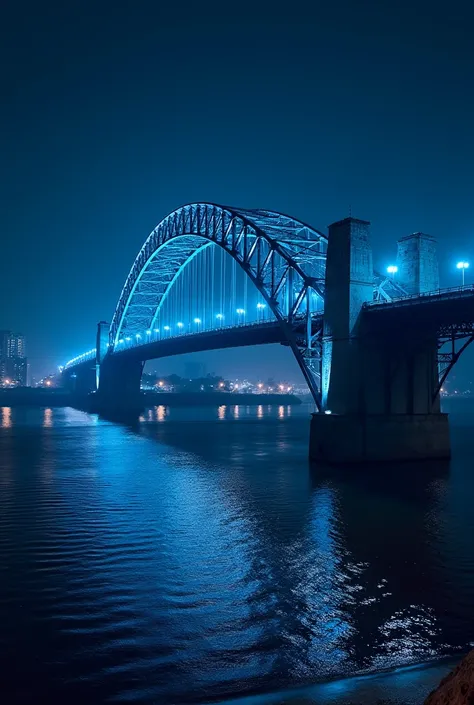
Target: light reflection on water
{"type": "Point", "coordinates": [195, 555]}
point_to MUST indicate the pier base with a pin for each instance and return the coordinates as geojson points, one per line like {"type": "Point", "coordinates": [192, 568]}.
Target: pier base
{"type": "Point", "coordinates": [348, 438]}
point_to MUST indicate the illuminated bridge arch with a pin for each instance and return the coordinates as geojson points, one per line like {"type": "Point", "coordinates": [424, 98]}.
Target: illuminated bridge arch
{"type": "Point", "coordinates": [282, 256]}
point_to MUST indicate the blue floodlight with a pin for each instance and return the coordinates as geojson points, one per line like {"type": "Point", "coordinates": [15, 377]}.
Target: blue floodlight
{"type": "Point", "coordinates": [392, 269]}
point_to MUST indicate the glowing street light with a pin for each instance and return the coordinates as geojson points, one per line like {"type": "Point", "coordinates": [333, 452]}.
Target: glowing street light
{"type": "Point", "coordinates": [128, 338]}
{"type": "Point", "coordinates": [148, 332]}
{"type": "Point", "coordinates": [462, 266]}
{"type": "Point", "coordinates": [198, 322]}
{"type": "Point", "coordinates": [260, 309]}
{"type": "Point", "coordinates": [180, 325]}
{"type": "Point", "coordinates": [220, 318]}
{"type": "Point", "coordinates": [167, 329]}
{"type": "Point", "coordinates": [392, 269]}
{"type": "Point", "coordinates": [241, 314]}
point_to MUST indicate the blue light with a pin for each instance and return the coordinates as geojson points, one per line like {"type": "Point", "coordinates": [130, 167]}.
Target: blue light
{"type": "Point", "coordinates": [137, 336]}
{"type": "Point", "coordinates": [392, 269]}
{"type": "Point", "coordinates": [241, 311]}
{"type": "Point", "coordinates": [220, 316]}
{"type": "Point", "coordinates": [156, 330]}
{"type": "Point", "coordinates": [180, 325]}
{"type": "Point", "coordinates": [128, 339]}
{"type": "Point", "coordinates": [462, 265]}
{"type": "Point", "coordinates": [197, 320]}
{"type": "Point", "coordinates": [260, 306]}
{"type": "Point", "coordinates": [121, 341]}
{"type": "Point", "coordinates": [166, 328]}
{"type": "Point", "coordinates": [148, 332]}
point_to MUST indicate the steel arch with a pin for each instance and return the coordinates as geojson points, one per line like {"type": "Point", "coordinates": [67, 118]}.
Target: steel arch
{"type": "Point", "coordinates": [283, 257]}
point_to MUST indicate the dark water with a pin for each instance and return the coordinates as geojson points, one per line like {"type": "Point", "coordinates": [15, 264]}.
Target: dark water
{"type": "Point", "coordinates": [197, 557]}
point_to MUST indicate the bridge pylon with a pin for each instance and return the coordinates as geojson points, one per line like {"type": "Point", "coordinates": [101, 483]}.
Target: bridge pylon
{"type": "Point", "coordinates": [379, 382]}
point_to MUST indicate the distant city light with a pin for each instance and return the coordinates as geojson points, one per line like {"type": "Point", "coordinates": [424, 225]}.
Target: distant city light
{"type": "Point", "coordinates": [281, 387]}
{"type": "Point", "coordinates": [221, 384]}
{"type": "Point", "coordinates": [260, 385]}
{"type": "Point", "coordinates": [160, 383]}
{"type": "Point", "coordinates": [48, 382]}
{"type": "Point", "coordinates": [392, 269]}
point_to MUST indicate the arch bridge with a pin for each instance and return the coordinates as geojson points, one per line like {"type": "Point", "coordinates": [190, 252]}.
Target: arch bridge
{"type": "Point", "coordinates": [211, 276]}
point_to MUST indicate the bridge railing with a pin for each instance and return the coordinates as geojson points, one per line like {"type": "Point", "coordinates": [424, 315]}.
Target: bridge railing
{"type": "Point", "coordinates": [157, 335]}
{"type": "Point", "coordinates": [89, 355]}
{"type": "Point", "coordinates": [451, 292]}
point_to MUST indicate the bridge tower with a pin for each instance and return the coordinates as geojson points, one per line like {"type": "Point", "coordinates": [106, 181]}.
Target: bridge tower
{"type": "Point", "coordinates": [378, 383]}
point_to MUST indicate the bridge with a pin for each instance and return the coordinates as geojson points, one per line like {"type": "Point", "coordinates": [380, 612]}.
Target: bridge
{"type": "Point", "coordinates": [374, 349]}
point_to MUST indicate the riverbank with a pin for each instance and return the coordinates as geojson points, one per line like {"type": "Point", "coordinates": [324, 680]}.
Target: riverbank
{"type": "Point", "coordinates": [40, 397]}
{"type": "Point", "coordinates": [407, 685]}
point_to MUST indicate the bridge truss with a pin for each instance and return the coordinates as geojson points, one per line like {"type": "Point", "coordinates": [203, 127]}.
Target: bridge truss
{"type": "Point", "coordinates": [283, 257]}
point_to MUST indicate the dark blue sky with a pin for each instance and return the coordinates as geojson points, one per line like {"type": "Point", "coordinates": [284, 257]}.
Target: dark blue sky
{"type": "Point", "coordinates": [113, 114]}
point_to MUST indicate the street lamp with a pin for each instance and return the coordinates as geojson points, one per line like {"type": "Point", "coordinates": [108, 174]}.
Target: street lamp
{"type": "Point", "coordinates": [260, 309]}
{"type": "Point", "coordinates": [462, 266]}
{"type": "Point", "coordinates": [241, 314]}
{"type": "Point", "coordinates": [220, 318]}
{"type": "Point", "coordinates": [198, 322]}
{"type": "Point", "coordinates": [180, 325]}
{"type": "Point", "coordinates": [392, 269]}
{"type": "Point", "coordinates": [167, 329]}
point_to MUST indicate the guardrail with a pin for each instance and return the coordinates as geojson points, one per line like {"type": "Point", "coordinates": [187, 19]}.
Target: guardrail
{"type": "Point", "coordinates": [135, 340]}
{"type": "Point", "coordinates": [450, 292]}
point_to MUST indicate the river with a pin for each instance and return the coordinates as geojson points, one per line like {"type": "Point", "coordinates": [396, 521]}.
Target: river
{"type": "Point", "coordinates": [195, 556]}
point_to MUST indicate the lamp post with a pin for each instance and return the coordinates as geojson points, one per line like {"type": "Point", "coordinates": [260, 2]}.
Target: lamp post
{"type": "Point", "coordinates": [462, 266]}
{"type": "Point", "coordinates": [220, 318]}
{"type": "Point", "coordinates": [198, 322]}
{"type": "Point", "coordinates": [392, 269]}
{"type": "Point", "coordinates": [260, 310]}
{"type": "Point", "coordinates": [241, 314]}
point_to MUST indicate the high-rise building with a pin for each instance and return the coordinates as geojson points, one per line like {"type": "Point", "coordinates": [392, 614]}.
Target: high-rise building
{"type": "Point", "coordinates": [13, 362]}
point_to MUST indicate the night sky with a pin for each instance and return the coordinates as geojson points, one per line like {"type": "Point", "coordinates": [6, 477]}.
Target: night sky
{"type": "Point", "coordinates": [114, 114]}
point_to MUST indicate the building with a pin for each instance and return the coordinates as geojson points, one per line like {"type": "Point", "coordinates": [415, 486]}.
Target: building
{"type": "Point", "coordinates": [13, 362]}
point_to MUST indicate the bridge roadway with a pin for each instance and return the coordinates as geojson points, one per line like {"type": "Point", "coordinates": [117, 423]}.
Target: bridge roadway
{"type": "Point", "coordinates": [434, 310]}
{"type": "Point", "coordinates": [218, 339]}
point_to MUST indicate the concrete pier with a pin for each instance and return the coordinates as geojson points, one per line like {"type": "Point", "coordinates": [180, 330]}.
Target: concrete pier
{"type": "Point", "coordinates": [353, 438]}
{"type": "Point", "coordinates": [379, 382]}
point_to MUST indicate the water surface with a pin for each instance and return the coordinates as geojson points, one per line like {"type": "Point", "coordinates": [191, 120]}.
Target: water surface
{"type": "Point", "coordinates": [196, 556]}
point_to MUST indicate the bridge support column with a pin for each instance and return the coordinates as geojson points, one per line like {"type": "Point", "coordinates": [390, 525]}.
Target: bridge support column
{"type": "Point", "coordinates": [119, 388]}
{"type": "Point", "coordinates": [378, 383]}
{"type": "Point", "coordinates": [101, 347]}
